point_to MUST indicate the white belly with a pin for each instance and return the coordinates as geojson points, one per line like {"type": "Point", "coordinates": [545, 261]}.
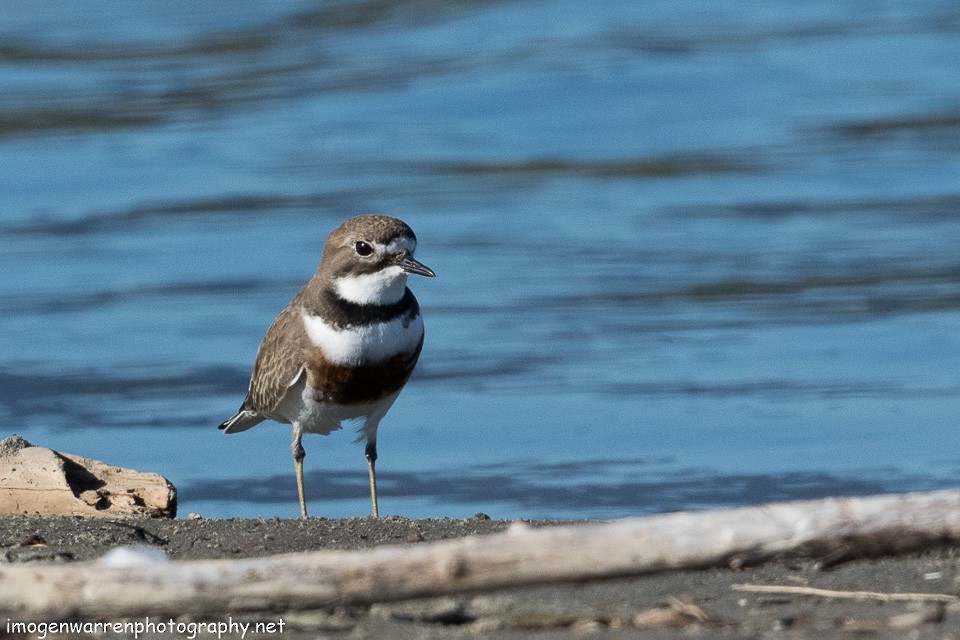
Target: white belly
{"type": "Point", "coordinates": [300, 408]}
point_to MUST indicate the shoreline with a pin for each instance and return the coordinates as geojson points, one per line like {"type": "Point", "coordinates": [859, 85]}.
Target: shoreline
{"type": "Point", "coordinates": [672, 604]}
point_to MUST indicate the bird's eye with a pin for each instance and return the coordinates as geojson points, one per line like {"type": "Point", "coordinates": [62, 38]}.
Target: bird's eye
{"type": "Point", "coordinates": [363, 249]}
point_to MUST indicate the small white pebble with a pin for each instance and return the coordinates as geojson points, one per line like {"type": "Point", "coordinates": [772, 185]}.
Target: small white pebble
{"type": "Point", "coordinates": [518, 528]}
{"type": "Point", "coordinates": [933, 575]}
{"type": "Point", "coordinates": [194, 516]}
{"type": "Point", "coordinates": [134, 555]}
{"type": "Point", "coordinates": [586, 627]}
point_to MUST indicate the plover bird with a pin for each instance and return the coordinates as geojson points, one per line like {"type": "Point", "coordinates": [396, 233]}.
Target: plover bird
{"type": "Point", "coordinates": [346, 344]}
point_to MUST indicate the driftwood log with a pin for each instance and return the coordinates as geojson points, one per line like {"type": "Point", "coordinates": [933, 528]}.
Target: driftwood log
{"type": "Point", "coordinates": [36, 481]}
{"type": "Point", "coordinates": [520, 556]}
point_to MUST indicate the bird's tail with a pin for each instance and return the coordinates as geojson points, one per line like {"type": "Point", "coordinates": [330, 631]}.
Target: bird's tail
{"type": "Point", "coordinates": [245, 419]}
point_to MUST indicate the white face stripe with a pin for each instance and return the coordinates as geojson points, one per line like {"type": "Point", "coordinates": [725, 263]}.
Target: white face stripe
{"type": "Point", "coordinates": [397, 245]}
{"type": "Point", "coordinates": [383, 287]}
{"type": "Point", "coordinates": [371, 343]}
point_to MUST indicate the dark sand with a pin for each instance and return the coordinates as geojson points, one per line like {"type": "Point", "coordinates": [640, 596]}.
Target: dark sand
{"type": "Point", "coordinates": [609, 609]}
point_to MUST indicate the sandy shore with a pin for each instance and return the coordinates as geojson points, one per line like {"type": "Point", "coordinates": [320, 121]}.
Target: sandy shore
{"type": "Point", "coordinates": [684, 604]}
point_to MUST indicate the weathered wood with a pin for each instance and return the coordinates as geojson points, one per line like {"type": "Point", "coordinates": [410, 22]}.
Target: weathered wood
{"type": "Point", "coordinates": [521, 556]}
{"type": "Point", "coordinates": [36, 481]}
{"type": "Point", "coordinates": [882, 596]}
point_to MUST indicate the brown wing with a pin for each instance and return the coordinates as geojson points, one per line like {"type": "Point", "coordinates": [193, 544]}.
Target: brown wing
{"type": "Point", "coordinates": [280, 358]}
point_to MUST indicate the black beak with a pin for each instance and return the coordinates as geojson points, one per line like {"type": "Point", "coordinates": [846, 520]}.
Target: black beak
{"type": "Point", "coordinates": [406, 262]}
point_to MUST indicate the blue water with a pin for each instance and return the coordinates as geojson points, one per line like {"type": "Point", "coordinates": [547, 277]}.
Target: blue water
{"type": "Point", "coordinates": [688, 255]}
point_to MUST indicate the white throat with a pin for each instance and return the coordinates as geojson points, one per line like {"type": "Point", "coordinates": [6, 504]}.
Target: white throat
{"type": "Point", "coordinates": [383, 287]}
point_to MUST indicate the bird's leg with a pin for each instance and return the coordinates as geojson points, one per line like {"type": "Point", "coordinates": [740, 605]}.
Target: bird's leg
{"type": "Point", "coordinates": [371, 453]}
{"type": "Point", "coordinates": [298, 455]}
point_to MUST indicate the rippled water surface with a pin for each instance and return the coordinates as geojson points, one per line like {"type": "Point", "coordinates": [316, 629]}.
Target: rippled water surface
{"type": "Point", "coordinates": [687, 256]}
